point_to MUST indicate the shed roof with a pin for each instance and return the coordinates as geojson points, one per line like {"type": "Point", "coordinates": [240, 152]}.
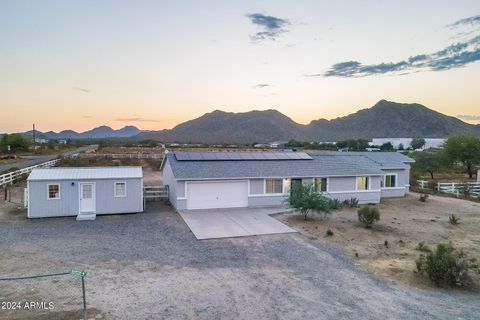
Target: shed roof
{"type": "Point", "coordinates": [85, 173]}
{"type": "Point", "coordinates": [327, 165]}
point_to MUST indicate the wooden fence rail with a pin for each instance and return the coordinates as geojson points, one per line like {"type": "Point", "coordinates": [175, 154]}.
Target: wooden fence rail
{"type": "Point", "coordinates": [15, 175]}
{"type": "Point", "coordinates": [471, 189]}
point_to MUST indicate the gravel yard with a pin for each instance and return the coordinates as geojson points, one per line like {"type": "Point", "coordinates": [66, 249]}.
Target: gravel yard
{"type": "Point", "coordinates": [150, 266]}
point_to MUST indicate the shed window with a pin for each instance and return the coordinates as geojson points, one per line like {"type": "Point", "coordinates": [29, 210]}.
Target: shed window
{"type": "Point", "coordinates": [390, 181]}
{"type": "Point", "coordinates": [274, 186]}
{"type": "Point", "coordinates": [321, 184]}
{"type": "Point", "coordinates": [363, 183]}
{"type": "Point", "coordinates": [120, 189]}
{"type": "Point", "coordinates": [53, 191]}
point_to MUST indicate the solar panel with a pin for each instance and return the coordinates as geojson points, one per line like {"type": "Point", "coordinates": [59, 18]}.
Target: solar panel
{"type": "Point", "coordinates": [238, 156]}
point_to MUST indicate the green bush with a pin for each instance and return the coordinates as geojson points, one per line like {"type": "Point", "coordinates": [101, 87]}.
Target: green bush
{"type": "Point", "coordinates": [423, 247]}
{"type": "Point", "coordinates": [453, 219]}
{"type": "Point", "coordinates": [335, 204]}
{"type": "Point", "coordinates": [368, 215]}
{"type": "Point", "coordinates": [329, 233]}
{"type": "Point", "coordinates": [446, 266]}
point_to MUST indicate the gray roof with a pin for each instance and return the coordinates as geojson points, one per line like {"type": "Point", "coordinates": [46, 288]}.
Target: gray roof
{"type": "Point", "coordinates": [85, 173]}
{"type": "Point", "coordinates": [386, 160]}
{"type": "Point", "coordinates": [327, 165]}
{"type": "Point", "coordinates": [240, 156]}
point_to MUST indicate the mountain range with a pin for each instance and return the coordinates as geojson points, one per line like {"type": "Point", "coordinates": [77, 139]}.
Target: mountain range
{"type": "Point", "coordinates": [96, 133]}
{"type": "Point", "coordinates": [385, 119]}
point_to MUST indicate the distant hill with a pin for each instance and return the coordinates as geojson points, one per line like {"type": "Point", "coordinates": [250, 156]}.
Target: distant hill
{"type": "Point", "coordinates": [219, 126]}
{"type": "Point", "coordinates": [384, 120]}
{"type": "Point", "coordinates": [96, 133]}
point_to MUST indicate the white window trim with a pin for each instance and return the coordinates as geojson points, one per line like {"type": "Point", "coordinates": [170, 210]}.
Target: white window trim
{"type": "Point", "coordinates": [115, 189]}
{"type": "Point", "coordinates": [59, 191]}
{"type": "Point", "coordinates": [385, 180]}
{"type": "Point", "coordinates": [272, 194]}
{"type": "Point", "coordinates": [368, 183]}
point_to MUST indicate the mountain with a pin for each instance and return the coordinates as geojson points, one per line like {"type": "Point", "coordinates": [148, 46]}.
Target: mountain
{"type": "Point", "coordinates": [219, 126]}
{"type": "Point", "coordinates": [384, 120]}
{"type": "Point", "coordinates": [388, 120]}
{"type": "Point", "coordinates": [95, 133]}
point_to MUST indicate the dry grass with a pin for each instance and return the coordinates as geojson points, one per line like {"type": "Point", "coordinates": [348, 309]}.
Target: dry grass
{"type": "Point", "coordinates": [389, 248]}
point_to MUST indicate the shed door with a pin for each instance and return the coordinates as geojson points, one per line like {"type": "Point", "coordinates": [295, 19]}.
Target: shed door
{"type": "Point", "coordinates": [87, 197]}
{"type": "Point", "coordinates": [218, 194]}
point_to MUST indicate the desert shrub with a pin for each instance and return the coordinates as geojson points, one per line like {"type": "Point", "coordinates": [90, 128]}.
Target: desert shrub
{"type": "Point", "coordinates": [423, 197]}
{"type": "Point", "coordinates": [423, 247]}
{"type": "Point", "coordinates": [368, 215]}
{"type": "Point", "coordinates": [329, 233]}
{"type": "Point", "coordinates": [335, 204]}
{"type": "Point", "coordinates": [446, 266]}
{"type": "Point", "coordinates": [353, 202]}
{"type": "Point", "coordinates": [453, 219]}
{"type": "Point", "coordinates": [386, 243]}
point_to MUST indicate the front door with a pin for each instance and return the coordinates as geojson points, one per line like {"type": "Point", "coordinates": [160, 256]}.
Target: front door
{"type": "Point", "coordinates": [87, 197]}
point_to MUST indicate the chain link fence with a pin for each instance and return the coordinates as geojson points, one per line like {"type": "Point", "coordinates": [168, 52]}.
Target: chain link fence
{"type": "Point", "coordinates": [47, 296]}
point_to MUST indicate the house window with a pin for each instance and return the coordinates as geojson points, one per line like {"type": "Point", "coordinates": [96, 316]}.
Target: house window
{"type": "Point", "coordinates": [120, 189]}
{"type": "Point", "coordinates": [53, 191]}
{"type": "Point", "coordinates": [390, 181]}
{"type": "Point", "coordinates": [363, 183]}
{"type": "Point", "coordinates": [273, 185]}
{"type": "Point", "coordinates": [321, 184]}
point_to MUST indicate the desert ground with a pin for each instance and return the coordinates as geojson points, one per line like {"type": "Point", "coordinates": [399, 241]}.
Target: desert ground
{"type": "Point", "coordinates": [389, 248]}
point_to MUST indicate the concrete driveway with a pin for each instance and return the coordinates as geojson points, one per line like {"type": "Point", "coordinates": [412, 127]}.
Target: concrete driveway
{"type": "Point", "coordinates": [233, 222]}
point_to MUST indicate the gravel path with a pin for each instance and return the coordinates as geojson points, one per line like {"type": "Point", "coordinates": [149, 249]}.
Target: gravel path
{"type": "Point", "coordinates": [150, 266]}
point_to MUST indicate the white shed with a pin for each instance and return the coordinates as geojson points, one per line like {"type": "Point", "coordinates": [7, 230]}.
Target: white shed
{"type": "Point", "coordinates": [84, 192]}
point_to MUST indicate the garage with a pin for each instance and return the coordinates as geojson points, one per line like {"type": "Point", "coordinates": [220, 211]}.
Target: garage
{"type": "Point", "coordinates": [217, 194]}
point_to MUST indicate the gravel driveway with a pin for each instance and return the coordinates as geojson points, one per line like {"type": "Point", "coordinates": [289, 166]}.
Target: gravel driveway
{"type": "Point", "coordinates": [150, 266]}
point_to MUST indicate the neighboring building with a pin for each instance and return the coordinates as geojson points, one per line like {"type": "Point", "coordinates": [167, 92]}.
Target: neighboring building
{"type": "Point", "coordinates": [203, 180]}
{"type": "Point", "coordinates": [62, 141]}
{"type": "Point", "coordinates": [41, 140]}
{"type": "Point", "coordinates": [84, 192]}
{"type": "Point", "coordinates": [430, 143]}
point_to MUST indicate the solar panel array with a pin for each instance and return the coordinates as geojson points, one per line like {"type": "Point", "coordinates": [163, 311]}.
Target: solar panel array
{"type": "Point", "coordinates": [227, 156]}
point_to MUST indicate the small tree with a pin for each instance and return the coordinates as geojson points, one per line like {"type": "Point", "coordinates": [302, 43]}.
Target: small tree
{"type": "Point", "coordinates": [430, 161]}
{"type": "Point", "coordinates": [305, 199]}
{"type": "Point", "coordinates": [464, 149]}
{"type": "Point", "coordinates": [417, 143]}
{"type": "Point", "coordinates": [368, 215]}
{"type": "Point", "coordinates": [387, 146]}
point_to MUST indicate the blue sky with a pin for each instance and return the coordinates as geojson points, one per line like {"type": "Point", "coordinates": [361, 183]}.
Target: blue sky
{"type": "Point", "coordinates": [154, 64]}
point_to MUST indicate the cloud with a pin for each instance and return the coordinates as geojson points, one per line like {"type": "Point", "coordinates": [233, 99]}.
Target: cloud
{"type": "Point", "coordinates": [466, 117]}
{"type": "Point", "coordinates": [261, 85]}
{"type": "Point", "coordinates": [86, 117]}
{"type": "Point", "coordinates": [136, 120]}
{"type": "Point", "coordinates": [455, 55]}
{"type": "Point", "coordinates": [271, 26]}
{"type": "Point", "coordinates": [82, 89]}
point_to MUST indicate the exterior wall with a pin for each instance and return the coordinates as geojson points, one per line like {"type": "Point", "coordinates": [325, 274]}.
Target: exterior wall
{"type": "Point", "coordinates": [403, 184]}
{"type": "Point", "coordinates": [169, 180]}
{"type": "Point", "coordinates": [344, 188]}
{"type": "Point", "coordinates": [68, 204]}
{"type": "Point", "coordinates": [257, 186]}
{"type": "Point", "coordinates": [266, 201]}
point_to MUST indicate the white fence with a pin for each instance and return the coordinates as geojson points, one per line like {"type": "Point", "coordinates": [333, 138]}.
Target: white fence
{"type": "Point", "coordinates": [14, 175]}
{"type": "Point", "coordinates": [155, 192]}
{"type": "Point", "coordinates": [121, 155]}
{"type": "Point", "coordinates": [467, 188]}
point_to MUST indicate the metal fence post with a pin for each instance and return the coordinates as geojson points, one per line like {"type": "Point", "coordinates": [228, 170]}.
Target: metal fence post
{"type": "Point", "coordinates": [84, 298]}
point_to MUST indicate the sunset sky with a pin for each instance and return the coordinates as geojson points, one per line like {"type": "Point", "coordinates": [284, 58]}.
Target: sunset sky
{"type": "Point", "coordinates": [154, 64]}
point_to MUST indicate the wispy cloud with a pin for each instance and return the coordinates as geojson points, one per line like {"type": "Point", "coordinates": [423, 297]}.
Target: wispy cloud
{"type": "Point", "coordinates": [271, 26]}
{"type": "Point", "coordinates": [466, 117]}
{"type": "Point", "coordinates": [454, 56]}
{"type": "Point", "coordinates": [136, 120]}
{"type": "Point", "coordinates": [261, 85]}
{"type": "Point", "coordinates": [82, 89]}
{"type": "Point", "coordinates": [86, 117]}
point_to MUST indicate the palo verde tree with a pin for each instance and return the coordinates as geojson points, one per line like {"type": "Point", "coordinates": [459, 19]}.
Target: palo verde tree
{"type": "Point", "coordinates": [464, 149]}
{"type": "Point", "coordinates": [305, 199]}
{"type": "Point", "coordinates": [430, 161]}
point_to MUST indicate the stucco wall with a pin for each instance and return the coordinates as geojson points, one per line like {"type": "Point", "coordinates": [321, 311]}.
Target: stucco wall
{"type": "Point", "coordinates": [68, 204]}
{"type": "Point", "coordinates": [256, 186]}
{"type": "Point", "coordinates": [169, 180]}
{"type": "Point", "coordinates": [266, 201]}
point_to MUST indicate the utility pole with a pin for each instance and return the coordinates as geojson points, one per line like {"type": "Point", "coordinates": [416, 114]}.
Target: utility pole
{"type": "Point", "coordinates": [33, 135]}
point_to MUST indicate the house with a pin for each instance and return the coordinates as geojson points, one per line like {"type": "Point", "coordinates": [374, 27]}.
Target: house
{"type": "Point", "coordinates": [84, 192]}
{"type": "Point", "coordinates": [430, 143]}
{"type": "Point", "coordinates": [203, 180]}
